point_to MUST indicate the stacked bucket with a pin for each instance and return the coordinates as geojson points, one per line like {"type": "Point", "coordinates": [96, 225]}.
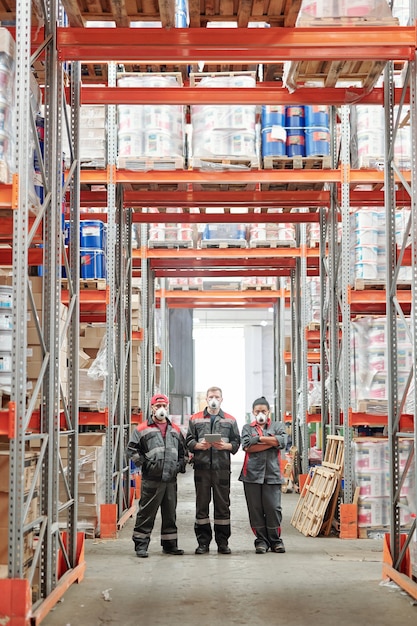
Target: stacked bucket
{"type": "Point", "coordinates": [6, 328]}
{"type": "Point", "coordinates": [92, 249]}
{"type": "Point", "coordinates": [295, 131]}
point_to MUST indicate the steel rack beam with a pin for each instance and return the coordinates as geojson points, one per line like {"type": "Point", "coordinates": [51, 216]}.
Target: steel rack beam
{"type": "Point", "coordinates": [269, 45]}
{"type": "Point", "coordinates": [263, 93]}
{"type": "Point", "coordinates": [374, 178]}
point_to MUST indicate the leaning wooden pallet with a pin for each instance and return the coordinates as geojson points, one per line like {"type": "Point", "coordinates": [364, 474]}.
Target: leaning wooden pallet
{"type": "Point", "coordinates": [318, 499]}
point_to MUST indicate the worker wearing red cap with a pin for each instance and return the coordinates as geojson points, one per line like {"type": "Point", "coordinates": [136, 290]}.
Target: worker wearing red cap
{"type": "Point", "coordinates": [157, 446]}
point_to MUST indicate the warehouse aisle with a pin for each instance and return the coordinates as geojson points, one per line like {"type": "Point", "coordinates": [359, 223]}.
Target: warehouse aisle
{"type": "Point", "coordinates": [318, 582]}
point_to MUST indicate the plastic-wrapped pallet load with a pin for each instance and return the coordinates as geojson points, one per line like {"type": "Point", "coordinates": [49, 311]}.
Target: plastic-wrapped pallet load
{"type": "Point", "coordinates": [372, 477]}
{"type": "Point", "coordinates": [343, 12]}
{"type": "Point", "coordinates": [322, 13]}
{"type": "Point", "coordinates": [150, 133]}
{"type": "Point", "coordinates": [224, 235]}
{"type": "Point", "coordinates": [369, 364]}
{"type": "Point", "coordinates": [224, 132]}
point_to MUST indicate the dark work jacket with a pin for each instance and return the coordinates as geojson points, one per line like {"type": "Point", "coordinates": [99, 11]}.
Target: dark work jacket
{"type": "Point", "coordinates": [199, 426]}
{"type": "Point", "coordinates": [262, 467]}
{"type": "Point", "coordinates": [159, 458]}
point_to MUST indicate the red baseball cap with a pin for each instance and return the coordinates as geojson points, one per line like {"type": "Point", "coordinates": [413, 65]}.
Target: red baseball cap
{"type": "Point", "coordinates": [159, 398]}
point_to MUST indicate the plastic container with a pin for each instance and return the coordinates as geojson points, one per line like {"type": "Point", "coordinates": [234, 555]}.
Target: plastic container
{"type": "Point", "coordinates": [92, 234]}
{"type": "Point", "coordinates": [316, 115]}
{"type": "Point", "coordinates": [6, 340]}
{"type": "Point", "coordinates": [273, 141]}
{"type": "Point", "coordinates": [272, 115]}
{"type": "Point", "coordinates": [317, 141]}
{"type": "Point", "coordinates": [294, 117]}
{"type": "Point", "coordinates": [93, 263]}
{"type": "Point", "coordinates": [6, 320]}
{"type": "Point", "coordinates": [295, 142]}
{"type": "Point", "coordinates": [6, 297]}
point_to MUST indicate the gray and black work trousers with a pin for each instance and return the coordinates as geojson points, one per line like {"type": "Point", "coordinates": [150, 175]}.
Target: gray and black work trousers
{"type": "Point", "coordinates": [153, 495]}
{"type": "Point", "coordinates": [265, 512]}
{"type": "Point", "coordinates": [210, 483]}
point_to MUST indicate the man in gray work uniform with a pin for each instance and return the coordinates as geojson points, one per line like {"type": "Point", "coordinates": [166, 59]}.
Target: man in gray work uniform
{"type": "Point", "coordinates": [157, 446]}
{"type": "Point", "coordinates": [212, 471]}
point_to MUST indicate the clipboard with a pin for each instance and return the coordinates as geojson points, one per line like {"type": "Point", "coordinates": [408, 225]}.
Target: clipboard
{"type": "Point", "coordinates": [212, 437]}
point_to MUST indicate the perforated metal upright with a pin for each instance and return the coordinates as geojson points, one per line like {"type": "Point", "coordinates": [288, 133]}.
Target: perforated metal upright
{"type": "Point", "coordinates": [118, 324]}
{"type": "Point", "coordinates": [402, 445]}
{"type": "Point", "coordinates": [55, 552]}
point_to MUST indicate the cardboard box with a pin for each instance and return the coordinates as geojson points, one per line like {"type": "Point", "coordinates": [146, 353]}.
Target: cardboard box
{"type": "Point", "coordinates": [29, 469]}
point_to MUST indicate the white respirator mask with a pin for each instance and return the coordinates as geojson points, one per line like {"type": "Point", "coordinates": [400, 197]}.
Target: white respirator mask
{"type": "Point", "coordinates": [161, 414]}
{"type": "Point", "coordinates": [214, 404]}
{"type": "Point", "coordinates": [261, 418]}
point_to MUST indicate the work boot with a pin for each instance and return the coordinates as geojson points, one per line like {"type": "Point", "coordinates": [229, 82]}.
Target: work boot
{"type": "Point", "coordinates": [278, 547]}
{"type": "Point", "coordinates": [202, 549]}
{"type": "Point", "coordinates": [224, 549]}
{"type": "Point", "coordinates": [141, 553]}
{"type": "Point", "coordinates": [173, 550]}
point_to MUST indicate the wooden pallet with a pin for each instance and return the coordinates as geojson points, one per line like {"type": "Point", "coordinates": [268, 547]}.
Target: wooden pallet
{"type": "Point", "coordinates": [172, 245]}
{"type": "Point", "coordinates": [123, 13]}
{"type": "Point", "coordinates": [224, 187]}
{"type": "Point", "coordinates": [98, 284]}
{"type": "Point", "coordinates": [296, 163]}
{"type": "Point", "coordinates": [224, 163]}
{"type": "Point", "coordinates": [335, 453]}
{"type": "Point", "coordinates": [318, 491]}
{"type": "Point", "coordinates": [364, 283]}
{"type": "Point", "coordinates": [333, 73]}
{"type": "Point", "coordinates": [258, 287]}
{"type": "Point", "coordinates": [373, 407]}
{"type": "Point", "coordinates": [147, 164]}
{"type": "Point", "coordinates": [272, 243]}
{"type": "Point", "coordinates": [317, 504]}
{"type": "Point", "coordinates": [227, 243]}
{"type": "Point", "coordinates": [197, 77]}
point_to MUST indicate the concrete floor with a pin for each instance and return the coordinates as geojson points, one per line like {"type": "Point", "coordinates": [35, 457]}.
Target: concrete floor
{"type": "Point", "coordinates": [321, 581]}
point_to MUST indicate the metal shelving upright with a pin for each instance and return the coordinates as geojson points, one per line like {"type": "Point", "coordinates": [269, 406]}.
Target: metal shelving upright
{"type": "Point", "coordinates": [37, 415]}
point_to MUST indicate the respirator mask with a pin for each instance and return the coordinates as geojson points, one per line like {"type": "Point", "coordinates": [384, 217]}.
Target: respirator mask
{"type": "Point", "coordinates": [261, 418]}
{"type": "Point", "coordinates": [161, 414]}
{"type": "Point", "coordinates": [214, 404]}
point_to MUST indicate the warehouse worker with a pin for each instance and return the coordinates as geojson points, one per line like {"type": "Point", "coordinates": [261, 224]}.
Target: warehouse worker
{"type": "Point", "coordinates": [211, 460]}
{"type": "Point", "coordinates": [262, 441]}
{"type": "Point", "coordinates": [157, 446]}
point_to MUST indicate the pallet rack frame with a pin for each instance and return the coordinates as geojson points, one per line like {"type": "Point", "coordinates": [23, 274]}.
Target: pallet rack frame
{"type": "Point", "coordinates": [79, 52]}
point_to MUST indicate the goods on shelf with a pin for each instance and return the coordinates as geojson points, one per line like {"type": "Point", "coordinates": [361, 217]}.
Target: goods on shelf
{"type": "Point", "coordinates": [150, 135]}
{"type": "Point", "coordinates": [6, 328]}
{"type": "Point", "coordinates": [372, 477]}
{"type": "Point", "coordinates": [316, 13]}
{"type": "Point", "coordinates": [91, 472]}
{"type": "Point", "coordinates": [369, 365]}
{"type": "Point", "coordinates": [368, 244]}
{"type": "Point", "coordinates": [224, 132]}
{"type": "Point", "coordinates": [317, 130]}
{"type": "Point", "coordinates": [224, 235]}
{"type": "Point", "coordinates": [185, 283]}
{"type": "Point", "coordinates": [368, 138]}
{"type": "Point", "coordinates": [93, 140]}
{"type": "Point", "coordinates": [271, 235]}
{"type": "Point", "coordinates": [27, 545]}
{"type": "Point", "coordinates": [313, 305]}
{"type": "Point", "coordinates": [344, 12]}
{"type": "Point", "coordinates": [273, 131]}
{"type": "Point", "coordinates": [259, 282]}
{"type": "Point", "coordinates": [295, 131]}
